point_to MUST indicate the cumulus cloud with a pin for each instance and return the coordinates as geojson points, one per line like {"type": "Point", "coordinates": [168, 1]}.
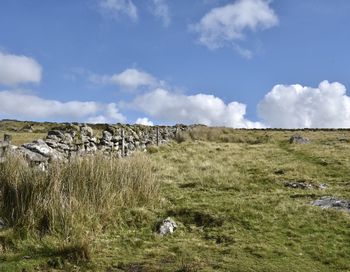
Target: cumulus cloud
{"type": "Point", "coordinates": [128, 79]}
{"type": "Point", "coordinates": [296, 106]}
{"type": "Point", "coordinates": [161, 10]}
{"type": "Point", "coordinates": [116, 8]}
{"type": "Point", "coordinates": [19, 105]}
{"type": "Point", "coordinates": [200, 108]}
{"type": "Point", "coordinates": [15, 70]}
{"type": "Point", "coordinates": [227, 24]}
{"type": "Point", "coordinates": [144, 121]}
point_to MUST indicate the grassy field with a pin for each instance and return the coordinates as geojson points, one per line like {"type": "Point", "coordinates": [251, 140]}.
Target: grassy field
{"type": "Point", "coordinates": [225, 189]}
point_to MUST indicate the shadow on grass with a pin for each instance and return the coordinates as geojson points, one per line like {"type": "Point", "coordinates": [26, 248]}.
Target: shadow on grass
{"type": "Point", "coordinates": [55, 257]}
{"type": "Point", "coordinates": [193, 217]}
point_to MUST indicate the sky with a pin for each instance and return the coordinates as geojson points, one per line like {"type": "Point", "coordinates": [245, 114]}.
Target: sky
{"type": "Point", "coordinates": [233, 63]}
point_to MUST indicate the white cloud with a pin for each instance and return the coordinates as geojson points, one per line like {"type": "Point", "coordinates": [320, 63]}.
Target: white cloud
{"type": "Point", "coordinates": [129, 79]}
{"type": "Point", "coordinates": [115, 8]}
{"type": "Point", "coordinates": [161, 10]}
{"type": "Point", "coordinates": [199, 108]}
{"type": "Point", "coordinates": [110, 114]}
{"type": "Point", "coordinates": [19, 105]}
{"type": "Point", "coordinates": [226, 25]}
{"type": "Point", "coordinates": [144, 121]}
{"type": "Point", "coordinates": [295, 106]}
{"type": "Point", "coordinates": [15, 70]}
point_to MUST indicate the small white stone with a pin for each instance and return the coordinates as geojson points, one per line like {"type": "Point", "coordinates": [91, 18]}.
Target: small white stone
{"type": "Point", "coordinates": [168, 226]}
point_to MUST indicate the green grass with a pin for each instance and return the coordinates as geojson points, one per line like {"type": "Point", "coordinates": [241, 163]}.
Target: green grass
{"type": "Point", "coordinates": [226, 192]}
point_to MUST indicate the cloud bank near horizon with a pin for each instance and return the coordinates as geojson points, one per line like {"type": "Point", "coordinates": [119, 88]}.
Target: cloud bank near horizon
{"type": "Point", "coordinates": [16, 104]}
{"type": "Point", "coordinates": [297, 106]}
{"type": "Point", "coordinates": [284, 106]}
{"type": "Point", "coordinates": [192, 109]}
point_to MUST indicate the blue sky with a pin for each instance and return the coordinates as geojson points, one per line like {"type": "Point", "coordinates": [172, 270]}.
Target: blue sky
{"type": "Point", "coordinates": [244, 63]}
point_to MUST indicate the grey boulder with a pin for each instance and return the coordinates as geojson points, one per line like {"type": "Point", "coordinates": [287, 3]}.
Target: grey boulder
{"type": "Point", "coordinates": [298, 139]}
{"type": "Point", "coordinates": [40, 147]}
{"type": "Point", "coordinates": [332, 202]}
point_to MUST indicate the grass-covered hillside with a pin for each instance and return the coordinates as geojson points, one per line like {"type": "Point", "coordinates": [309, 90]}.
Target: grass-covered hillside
{"type": "Point", "coordinates": [224, 188]}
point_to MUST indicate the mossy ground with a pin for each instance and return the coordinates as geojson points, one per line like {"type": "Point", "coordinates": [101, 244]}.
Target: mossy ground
{"type": "Point", "coordinates": [233, 210]}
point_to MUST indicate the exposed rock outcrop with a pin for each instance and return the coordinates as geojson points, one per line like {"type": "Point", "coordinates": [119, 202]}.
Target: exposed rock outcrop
{"type": "Point", "coordinates": [298, 139]}
{"type": "Point", "coordinates": [328, 202]}
{"type": "Point", "coordinates": [304, 185]}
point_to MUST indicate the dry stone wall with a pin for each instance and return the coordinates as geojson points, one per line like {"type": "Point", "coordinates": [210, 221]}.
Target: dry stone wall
{"type": "Point", "coordinates": [78, 140]}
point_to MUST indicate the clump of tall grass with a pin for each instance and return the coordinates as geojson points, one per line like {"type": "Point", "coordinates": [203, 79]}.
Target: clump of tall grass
{"type": "Point", "coordinates": [82, 196]}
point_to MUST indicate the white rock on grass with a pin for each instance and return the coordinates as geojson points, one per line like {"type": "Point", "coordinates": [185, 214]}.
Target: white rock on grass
{"type": "Point", "coordinates": [168, 226]}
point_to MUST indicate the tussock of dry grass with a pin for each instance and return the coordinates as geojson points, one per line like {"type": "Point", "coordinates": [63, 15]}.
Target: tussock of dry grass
{"type": "Point", "coordinates": [77, 198]}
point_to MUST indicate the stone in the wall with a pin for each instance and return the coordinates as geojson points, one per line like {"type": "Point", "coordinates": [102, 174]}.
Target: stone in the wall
{"type": "Point", "coordinates": [33, 158]}
{"type": "Point", "coordinates": [107, 136]}
{"type": "Point", "coordinates": [40, 147]}
{"type": "Point", "coordinates": [52, 143]}
{"type": "Point", "coordinates": [86, 131]}
{"type": "Point", "coordinates": [68, 138]}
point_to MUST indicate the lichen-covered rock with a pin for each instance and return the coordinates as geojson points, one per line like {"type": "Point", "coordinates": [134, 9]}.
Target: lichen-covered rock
{"type": "Point", "coordinates": [56, 134]}
{"type": "Point", "coordinates": [31, 155]}
{"type": "Point", "coordinates": [322, 186]}
{"type": "Point", "coordinates": [168, 226]}
{"type": "Point", "coordinates": [63, 147]}
{"type": "Point", "coordinates": [93, 140]}
{"type": "Point", "coordinates": [53, 143]}
{"type": "Point", "coordinates": [298, 185]}
{"type": "Point", "coordinates": [86, 131]}
{"type": "Point", "coordinates": [304, 185]}
{"type": "Point", "coordinates": [40, 147]}
{"type": "Point", "coordinates": [91, 148]}
{"type": "Point", "coordinates": [68, 138]}
{"type": "Point", "coordinates": [107, 136]}
{"type": "Point", "coordinates": [332, 202]}
{"type": "Point", "coordinates": [298, 139]}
